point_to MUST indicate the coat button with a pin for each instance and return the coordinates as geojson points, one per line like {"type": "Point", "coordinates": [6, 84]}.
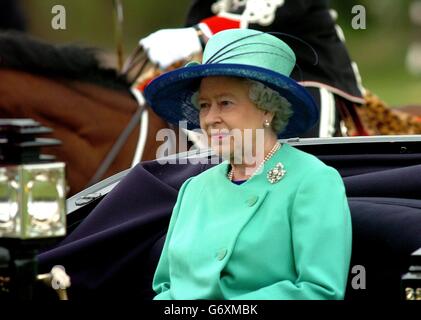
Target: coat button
{"type": "Point", "coordinates": [252, 201]}
{"type": "Point", "coordinates": [221, 254]}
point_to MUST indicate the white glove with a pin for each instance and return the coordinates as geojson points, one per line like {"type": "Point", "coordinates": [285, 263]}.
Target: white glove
{"type": "Point", "coordinates": [167, 46]}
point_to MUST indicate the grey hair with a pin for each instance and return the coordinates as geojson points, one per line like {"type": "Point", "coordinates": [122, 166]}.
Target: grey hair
{"type": "Point", "coordinates": [265, 99]}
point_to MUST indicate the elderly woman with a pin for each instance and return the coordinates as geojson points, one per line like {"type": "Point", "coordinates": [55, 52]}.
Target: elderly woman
{"type": "Point", "coordinates": [277, 227]}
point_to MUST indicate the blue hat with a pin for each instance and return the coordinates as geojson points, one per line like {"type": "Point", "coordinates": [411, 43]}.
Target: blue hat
{"type": "Point", "coordinates": [244, 53]}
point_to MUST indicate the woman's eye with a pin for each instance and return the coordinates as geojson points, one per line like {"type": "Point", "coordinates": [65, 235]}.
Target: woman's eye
{"type": "Point", "coordinates": [203, 105]}
{"type": "Point", "coordinates": [226, 103]}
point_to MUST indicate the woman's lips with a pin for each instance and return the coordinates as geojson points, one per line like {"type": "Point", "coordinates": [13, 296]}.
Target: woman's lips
{"type": "Point", "coordinates": [220, 136]}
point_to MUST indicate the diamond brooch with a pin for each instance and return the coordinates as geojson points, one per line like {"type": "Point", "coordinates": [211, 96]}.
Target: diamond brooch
{"type": "Point", "coordinates": [276, 174]}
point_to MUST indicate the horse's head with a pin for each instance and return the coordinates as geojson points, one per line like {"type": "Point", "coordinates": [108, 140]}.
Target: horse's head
{"type": "Point", "coordinates": [68, 88]}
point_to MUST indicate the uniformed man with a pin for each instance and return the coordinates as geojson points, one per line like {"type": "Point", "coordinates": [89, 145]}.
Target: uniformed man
{"type": "Point", "coordinates": [324, 65]}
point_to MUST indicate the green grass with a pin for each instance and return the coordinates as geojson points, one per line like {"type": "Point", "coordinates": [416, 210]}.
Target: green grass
{"type": "Point", "coordinates": [380, 56]}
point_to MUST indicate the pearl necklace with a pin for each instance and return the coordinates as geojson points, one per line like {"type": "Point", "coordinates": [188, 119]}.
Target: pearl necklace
{"type": "Point", "coordinates": [275, 148]}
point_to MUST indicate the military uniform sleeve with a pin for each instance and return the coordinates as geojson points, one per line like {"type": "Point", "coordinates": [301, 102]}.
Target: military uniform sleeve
{"type": "Point", "coordinates": [287, 14]}
{"type": "Point", "coordinates": [321, 241]}
{"type": "Point", "coordinates": [161, 283]}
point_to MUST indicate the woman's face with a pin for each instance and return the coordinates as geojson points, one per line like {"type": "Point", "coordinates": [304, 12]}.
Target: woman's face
{"type": "Point", "coordinates": [225, 105]}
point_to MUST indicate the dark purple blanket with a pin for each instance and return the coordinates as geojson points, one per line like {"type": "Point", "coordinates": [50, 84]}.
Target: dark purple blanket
{"type": "Point", "coordinates": [113, 253]}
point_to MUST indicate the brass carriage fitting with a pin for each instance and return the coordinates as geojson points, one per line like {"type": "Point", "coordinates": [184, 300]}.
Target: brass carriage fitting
{"type": "Point", "coordinates": [58, 280]}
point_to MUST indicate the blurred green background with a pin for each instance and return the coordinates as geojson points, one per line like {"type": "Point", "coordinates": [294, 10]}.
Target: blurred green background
{"type": "Point", "coordinates": [379, 50]}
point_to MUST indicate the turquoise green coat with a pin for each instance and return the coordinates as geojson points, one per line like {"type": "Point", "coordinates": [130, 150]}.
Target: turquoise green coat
{"type": "Point", "coordinates": [288, 240]}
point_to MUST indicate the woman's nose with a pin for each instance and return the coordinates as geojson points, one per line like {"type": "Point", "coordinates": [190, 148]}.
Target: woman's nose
{"type": "Point", "coordinates": [213, 115]}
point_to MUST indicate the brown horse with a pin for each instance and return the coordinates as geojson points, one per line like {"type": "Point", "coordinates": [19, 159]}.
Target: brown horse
{"type": "Point", "coordinates": [87, 105]}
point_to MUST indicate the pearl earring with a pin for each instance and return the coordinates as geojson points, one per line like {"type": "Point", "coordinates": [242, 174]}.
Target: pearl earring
{"type": "Point", "coordinates": [266, 123]}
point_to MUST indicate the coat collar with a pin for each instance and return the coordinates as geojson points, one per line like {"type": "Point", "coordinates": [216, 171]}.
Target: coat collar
{"type": "Point", "coordinates": [259, 179]}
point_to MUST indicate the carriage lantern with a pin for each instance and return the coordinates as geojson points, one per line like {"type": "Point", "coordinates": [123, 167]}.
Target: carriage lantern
{"type": "Point", "coordinates": [411, 281]}
{"type": "Point", "coordinates": [32, 187]}
{"type": "Point", "coordinates": [32, 203]}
